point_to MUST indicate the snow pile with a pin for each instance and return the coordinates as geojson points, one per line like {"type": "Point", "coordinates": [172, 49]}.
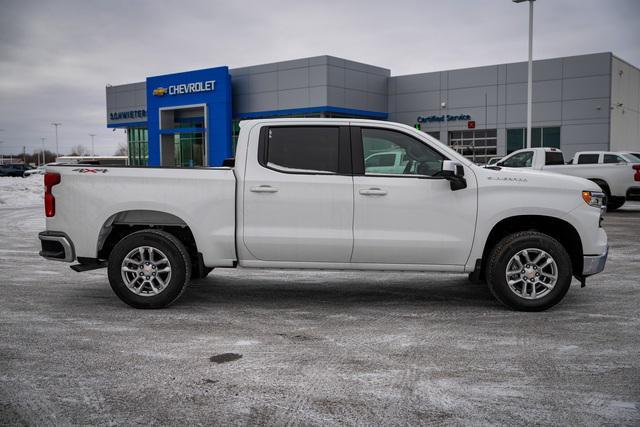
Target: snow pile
{"type": "Point", "coordinates": [21, 192]}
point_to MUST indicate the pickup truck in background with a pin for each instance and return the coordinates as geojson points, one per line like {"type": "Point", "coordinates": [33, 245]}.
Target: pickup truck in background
{"type": "Point", "coordinates": [619, 181]}
{"type": "Point", "coordinates": [604, 157]}
{"type": "Point", "coordinates": [300, 196]}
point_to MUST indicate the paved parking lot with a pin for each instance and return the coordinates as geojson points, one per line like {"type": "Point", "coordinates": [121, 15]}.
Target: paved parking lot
{"type": "Point", "coordinates": [261, 347]}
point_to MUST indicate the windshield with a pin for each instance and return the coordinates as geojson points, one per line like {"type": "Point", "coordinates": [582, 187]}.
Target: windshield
{"type": "Point", "coordinates": [519, 160]}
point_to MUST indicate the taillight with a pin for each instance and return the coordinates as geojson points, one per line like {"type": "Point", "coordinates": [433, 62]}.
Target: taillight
{"type": "Point", "coordinates": [50, 179]}
{"type": "Point", "coordinates": [636, 176]}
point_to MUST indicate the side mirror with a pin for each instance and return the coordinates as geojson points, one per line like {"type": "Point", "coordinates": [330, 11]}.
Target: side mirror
{"type": "Point", "coordinates": [454, 173]}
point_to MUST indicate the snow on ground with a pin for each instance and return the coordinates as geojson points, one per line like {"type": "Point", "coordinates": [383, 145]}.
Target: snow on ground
{"type": "Point", "coordinates": [21, 192]}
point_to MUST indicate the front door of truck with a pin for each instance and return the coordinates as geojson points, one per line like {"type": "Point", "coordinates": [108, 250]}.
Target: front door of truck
{"type": "Point", "coordinates": [298, 199]}
{"type": "Point", "coordinates": [408, 215]}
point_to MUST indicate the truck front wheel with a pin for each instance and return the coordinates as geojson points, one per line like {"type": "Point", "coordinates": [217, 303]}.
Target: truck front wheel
{"type": "Point", "coordinates": [529, 271]}
{"type": "Point", "coordinates": [149, 269]}
{"type": "Point", "coordinates": [614, 203]}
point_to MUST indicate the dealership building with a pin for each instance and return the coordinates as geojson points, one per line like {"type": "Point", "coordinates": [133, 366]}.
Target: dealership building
{"type": "Point", "coordinates": [188, 119]}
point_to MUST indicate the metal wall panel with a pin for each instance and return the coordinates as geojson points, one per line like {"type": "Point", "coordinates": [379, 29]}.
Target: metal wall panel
{"type": "Point", "coordinates": [586, 87]}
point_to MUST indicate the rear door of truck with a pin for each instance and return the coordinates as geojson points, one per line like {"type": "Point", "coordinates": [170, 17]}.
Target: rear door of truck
{"type": "Point", "coordinates": [298, 196]}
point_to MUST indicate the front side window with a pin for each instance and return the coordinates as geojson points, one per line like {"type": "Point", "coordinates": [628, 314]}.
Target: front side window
{"type": "Point", "coordinates": [380, 160]}
{"type": "Point", "coordinates": [395, 153]}
{"type": "Point", "coordinates": [613, 158]}
{"type": "Point", "coordinates": [588, 159]}
{"type": "Point", "coordinates": [303, 149]}
{"type": "Point", "coordinates": [520, 160]}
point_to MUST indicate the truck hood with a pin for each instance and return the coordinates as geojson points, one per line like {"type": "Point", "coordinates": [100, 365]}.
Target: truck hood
{"type": "Point", "coordinates": [524, 177]}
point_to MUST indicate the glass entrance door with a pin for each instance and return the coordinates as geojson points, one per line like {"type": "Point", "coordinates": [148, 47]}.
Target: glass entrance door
{"type": "Point", "coordinates": [189, 149]}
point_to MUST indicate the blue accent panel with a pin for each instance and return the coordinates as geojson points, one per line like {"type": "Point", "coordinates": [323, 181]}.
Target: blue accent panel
{"type": "Point", "coordinates": [181, 130]}
{"type": "Point", "coordinates": [128, 125]}
{"type": "Point", "coordinates": [217, 101]}
{"type": "Point", "coordinates": [325, 109]}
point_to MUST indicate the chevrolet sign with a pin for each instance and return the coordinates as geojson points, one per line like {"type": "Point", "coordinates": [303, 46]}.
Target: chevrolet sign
{"type": "Point", "coordinates": [185, 88]}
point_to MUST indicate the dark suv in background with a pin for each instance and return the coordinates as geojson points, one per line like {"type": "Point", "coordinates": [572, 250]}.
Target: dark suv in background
{"type": "Point", "coordinates": [15, 169]}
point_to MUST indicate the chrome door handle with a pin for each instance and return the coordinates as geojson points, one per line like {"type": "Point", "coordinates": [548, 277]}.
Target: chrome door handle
{"type": "Point", "coordinates": [264, 189]}
{"type": "Point", "coordinates": [373, 192]}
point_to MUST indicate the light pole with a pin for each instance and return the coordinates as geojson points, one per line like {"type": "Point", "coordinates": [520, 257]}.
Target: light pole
{"type": "Point", "coordinates": [56, 126]}
{"type": "Point", "coordinates": [43, 159]}
{"type": "Point", "coordinates": [529, 70]}
{"type": "Point", "coordinates": [93, 151]}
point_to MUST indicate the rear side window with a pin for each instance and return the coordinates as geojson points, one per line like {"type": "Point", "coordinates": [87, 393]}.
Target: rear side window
{"type": "Point", "coordinates": [613, 158]}
{"type": "Point", "coordinates": [303, 149]}
{"type": "Point", "coordinates": [588, 159]}
{"type": "Point", "coordinates": [553, 158]}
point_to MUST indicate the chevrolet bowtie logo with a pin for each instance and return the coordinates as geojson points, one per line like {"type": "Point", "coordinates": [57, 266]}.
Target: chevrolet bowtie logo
{"type": "Point", "coordinates": [160, 91]}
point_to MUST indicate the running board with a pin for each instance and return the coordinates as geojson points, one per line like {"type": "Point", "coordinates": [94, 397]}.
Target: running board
{"type": "Point", "coordinates": [88, 267]}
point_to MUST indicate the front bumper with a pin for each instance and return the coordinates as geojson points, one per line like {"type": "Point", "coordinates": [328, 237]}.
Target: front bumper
{"type": "Point", "coordinates": [56, 246]}
{"type": "Point", "coordinates": [594, 264]}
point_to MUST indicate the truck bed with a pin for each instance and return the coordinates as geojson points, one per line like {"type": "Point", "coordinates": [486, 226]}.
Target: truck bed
{"type": "Point", "coordinates": [90, 199]}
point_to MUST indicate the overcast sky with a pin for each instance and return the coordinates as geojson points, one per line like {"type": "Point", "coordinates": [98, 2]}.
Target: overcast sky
{"type": "Point", "coordinates": [57, 56]}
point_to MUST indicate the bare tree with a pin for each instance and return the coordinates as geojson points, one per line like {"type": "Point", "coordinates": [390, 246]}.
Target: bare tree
{"type": "Point", "coordinates": [79, 150]}
{"type": "Point", "coordinates": [122, 150]}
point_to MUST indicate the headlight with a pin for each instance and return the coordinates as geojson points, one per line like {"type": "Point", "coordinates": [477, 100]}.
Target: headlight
{"type": "Point", "coordinates": [593, 198]}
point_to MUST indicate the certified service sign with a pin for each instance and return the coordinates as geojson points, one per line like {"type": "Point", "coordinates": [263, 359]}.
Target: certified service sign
{"type": "Point", "coordinates": [184, 88]}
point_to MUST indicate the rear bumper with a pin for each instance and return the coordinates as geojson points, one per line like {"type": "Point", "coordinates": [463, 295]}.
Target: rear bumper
{"type": "Point", "coordinates": [56, 246]}
{"type": "Point", "coordinates": [594, 264]}
{"type": "Point", "coordinates": [633, 194]}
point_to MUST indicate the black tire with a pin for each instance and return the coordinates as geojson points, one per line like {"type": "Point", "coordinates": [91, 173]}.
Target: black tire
{"type": "Point", "coordinates": [175, 253]}
{"type": "Point", "coordinates": [511, 245]}
{"type": "Point", "coordinates": [614, 203]}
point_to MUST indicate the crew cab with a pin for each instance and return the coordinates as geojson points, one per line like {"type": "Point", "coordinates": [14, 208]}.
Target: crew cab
{"type": "Point", "coordinates": [620, 181]}
{"type": "Point", "coordinates": [300, 196]}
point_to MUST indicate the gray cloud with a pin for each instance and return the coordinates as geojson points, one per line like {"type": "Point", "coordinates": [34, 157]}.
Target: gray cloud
{"type": "Point", "coordinates": [57, 57]}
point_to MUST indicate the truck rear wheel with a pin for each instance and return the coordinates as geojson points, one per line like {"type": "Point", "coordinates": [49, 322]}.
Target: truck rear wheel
{"type": "Point", "coordinates": [529, 271]}
{"type": "Point", "coordinates": [149, 269]}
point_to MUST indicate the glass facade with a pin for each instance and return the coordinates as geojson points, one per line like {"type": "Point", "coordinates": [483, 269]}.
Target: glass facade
{"type": "Point", "coordinates": [540, 137]}
{"type": "Point", "coordinates": [476, 145]}
{"type": "Point", "coordinates": [138, 143]}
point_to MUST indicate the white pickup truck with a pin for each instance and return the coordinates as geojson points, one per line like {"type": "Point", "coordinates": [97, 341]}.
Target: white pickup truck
{"type": "Point", "coordinates": [300, 197]}
{"type": "Point", "coordinates": [619, 181]}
